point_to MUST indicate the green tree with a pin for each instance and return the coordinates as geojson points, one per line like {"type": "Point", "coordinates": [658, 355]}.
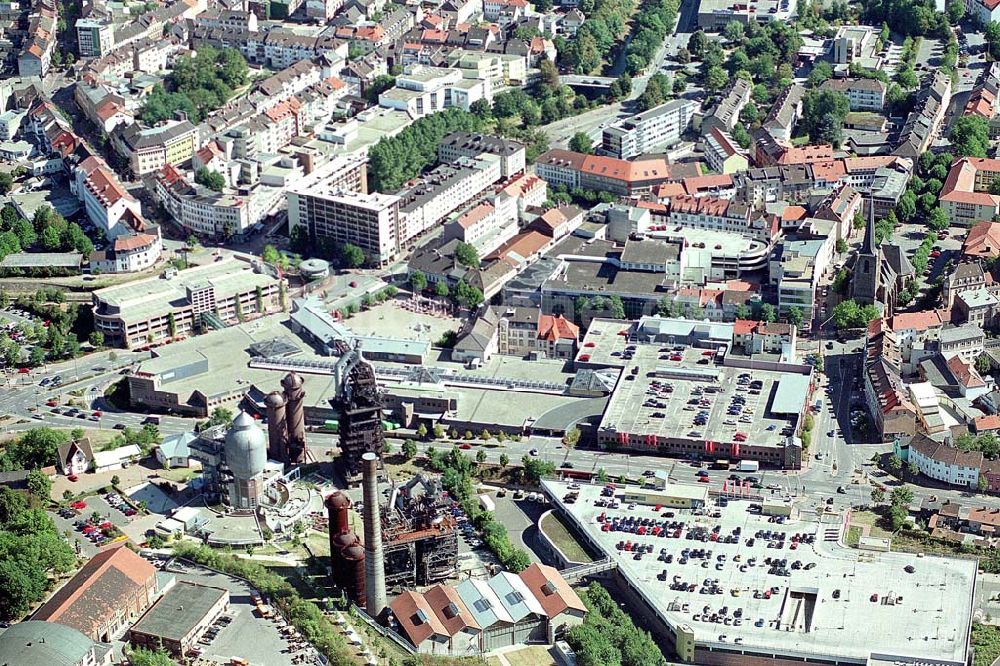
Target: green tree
{"type": "Point", "coordinates": [39, 484]}
{"type": "Point", "coordinates": [823, 114]}
{"type": "Point", "coordinates": [895, 464]}
{"type": "Point", "coordinates": [352, 255]}
{"type": "Point", "coordinates": [878, 495]}
{"type": "Point", "coordinates": [418, 281]}
{"type": "Point", "coordinates": [504, 460]}
{"type": "Point", "coordinates": [6, 182]}
{"type": "Point", "coordinates": [956, 11]}
{"type": "Point", "coordinates": [581, 143]}
{"type": "Point", "coordinates": [220, 416]}
{"type": "Point", "coordinates": [467, 255]}
{"type": "Point", "coordinates": [96, 339]}
{"type": "Point", "coordinates": [901, 496]}
{"type": "Point", "coordinates": [409, 449]}
{"type": "Point", "coordinates": [794, 316]}
{"type": "Point", "coordinates": [441, 289]}
{"type": "Point", "coordinates": [144, 657]}
{"type": "Point", "coordinates": [466, 295]}
{"type": "Point", "coordinates": [821, 72]}
{"type": "Point", "coordinates": [213, 180]}
{"type": "Point", "coordinates": [938, 219]}
{"type": "Point", "coordinates": [768, 313]}
{"type": "Point", "coordinates": [716, 78]}
{"type": "Point", "coordinates": [970, 136]}
{"type": "Point", "coordinates": [983, 364]}
{"type": "Point", "coordinates": [734, 32]}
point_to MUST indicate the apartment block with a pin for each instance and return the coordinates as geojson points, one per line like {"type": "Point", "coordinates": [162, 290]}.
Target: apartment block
{"type": "Point", "coordinates": [466, 144]}
{"type": "Point", "coordinates": [443, 191]}
{"type": "Point", "coordinates": [863, 94]}
{"type": "Point", "coordinates": [149, 150]}
{"type": "Point", "coordinates": [94, 37]}
{"type": "Point", "coordinates": [370, 221]}
{"type": "Point", "coordinates": [645, 132]}
{"type": "Point", "coordinates": [966, 196]}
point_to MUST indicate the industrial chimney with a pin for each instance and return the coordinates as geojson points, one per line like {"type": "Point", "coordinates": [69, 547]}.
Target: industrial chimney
{"type": "Point", "coordinates": [375, 601]}
{"type": "Point", "coordinates": [295, 419]}
{"type": "Point", "coordinates": [277, 430]}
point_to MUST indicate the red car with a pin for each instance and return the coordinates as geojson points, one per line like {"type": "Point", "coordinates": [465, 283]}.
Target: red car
{"type": "Point", "coordinates": [24, 371]}
{"type": "Point", "coordinates": [79, 504]}
{"type": "Point", "coordinates": [98, 413]}
{"type": "Point", "coordinates": [465, 446]}
{"type": "Point", "coordinates": [73, 477]}
{"type": "Point", "coordinates": [703, 479]}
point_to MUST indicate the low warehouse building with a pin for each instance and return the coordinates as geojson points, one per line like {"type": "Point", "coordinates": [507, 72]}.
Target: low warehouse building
{"type": "Point", "coordinates": [179, 619]}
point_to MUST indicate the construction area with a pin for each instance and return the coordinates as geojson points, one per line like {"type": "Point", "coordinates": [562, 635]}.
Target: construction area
{"type": "Point", "coordinates": [730, 584]}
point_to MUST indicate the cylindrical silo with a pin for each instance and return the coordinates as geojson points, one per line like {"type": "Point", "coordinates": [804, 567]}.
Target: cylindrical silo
{"type": "Point", "coordinates": [354, 573]}
{"type": "Point", "coordinates": [277, 431]}
{"type": "Point", "coordinates": [295, 419]}
{"type": "Point", "coordinates": [337, 506]}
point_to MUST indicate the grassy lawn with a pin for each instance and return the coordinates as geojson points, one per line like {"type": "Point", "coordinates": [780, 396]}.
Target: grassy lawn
{"type": "Point", "coordinates": [986, 642]}
{"type": "Point", "coordinates": [873, 521]}
{"type": "Point", "coordinates": [180, 474]}
{"type": "Point", "coordinates": [534, 655]}
{"type": "Point", "coordinates": [561, 537]}
{"type": "Point", "coordinates": [853, 536]}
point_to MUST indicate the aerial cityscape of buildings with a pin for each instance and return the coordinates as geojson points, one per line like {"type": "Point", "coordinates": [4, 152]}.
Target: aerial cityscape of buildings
{"type": "Point", "coordinates": [491, 331]}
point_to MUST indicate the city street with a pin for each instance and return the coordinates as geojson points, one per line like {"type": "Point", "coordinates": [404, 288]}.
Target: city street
{"type": "Point", "coordinates": [594, 121]}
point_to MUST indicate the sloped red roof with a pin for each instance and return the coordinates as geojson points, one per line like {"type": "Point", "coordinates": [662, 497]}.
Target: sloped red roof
{"type": "Point", "coordinates": [554, 328]}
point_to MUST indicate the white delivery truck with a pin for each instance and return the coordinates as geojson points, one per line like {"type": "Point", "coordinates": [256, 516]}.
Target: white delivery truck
{"type": "Point", "coordinates": [486, 502]}
{"type": "Point", "coordinates": [748, 466]}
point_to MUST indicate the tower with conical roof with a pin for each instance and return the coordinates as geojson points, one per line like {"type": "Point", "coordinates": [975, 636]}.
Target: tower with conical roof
{"type": "Point", "coordinates": [245, 451]}
{"type": "Point", "coordinates": [867, 274]}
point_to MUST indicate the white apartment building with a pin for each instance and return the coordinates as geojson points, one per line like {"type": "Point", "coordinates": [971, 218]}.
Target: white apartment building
{"type": "Point", "coordinates": [983, 11]}
{"type": "Point", "coordinates": [443, 191]}
{"type": "Point", "coordinates": [945, 463]}
{"type": "Point", "coordinates": [862, 94]}
{"type": "Point", "coordinates": [424, 90]}
{"type": "Point", "coordinates": [199, 209]}
{"type": "Point", "coordinates": [369, 221]}
{"type": "Point", "coordinates": [106, 201]}
{"type": "Point", "coordinates": [660, 126]}
{"type": "Point", "coordinates": [128, 254]}
{"type": "Point", "coordinates": [487, 225]}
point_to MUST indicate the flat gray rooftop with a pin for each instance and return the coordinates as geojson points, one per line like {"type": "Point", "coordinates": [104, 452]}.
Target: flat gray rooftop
{"type": "Point", "coordinates": [656, 403]}
{"type": "Point", "coordinates": [825, 612]}
{"type": "Point", "coordinates": [179, 611]}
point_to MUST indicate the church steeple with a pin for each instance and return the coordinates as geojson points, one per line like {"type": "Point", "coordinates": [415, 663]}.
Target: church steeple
{"type": "Point", "coordinates": [868, 244]}
{"type": "Point", "coordinates": [867, 274]}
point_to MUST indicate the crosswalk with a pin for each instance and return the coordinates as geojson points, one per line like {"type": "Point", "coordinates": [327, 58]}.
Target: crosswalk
{"type": "Point", "coordinates": [831, 534]}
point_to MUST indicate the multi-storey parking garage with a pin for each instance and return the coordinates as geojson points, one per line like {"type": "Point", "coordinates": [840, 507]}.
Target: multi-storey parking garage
{"type": "Point", "coordinates": [729, 585]}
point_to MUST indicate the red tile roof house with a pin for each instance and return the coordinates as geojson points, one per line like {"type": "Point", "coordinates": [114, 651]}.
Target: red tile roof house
{"type": "Point", "coordinates": [107, 595]}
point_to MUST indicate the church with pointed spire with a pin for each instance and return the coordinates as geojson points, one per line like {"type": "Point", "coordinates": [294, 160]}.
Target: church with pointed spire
{"type": "Point", "coordinates": [880, 272]}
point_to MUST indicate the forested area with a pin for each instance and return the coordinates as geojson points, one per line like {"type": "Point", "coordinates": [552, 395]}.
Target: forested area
{"type": "Point", "coordinates": [395, 160]}
{"type": "Point", "coordinates": [198, 85]}
{"type": "Point", "coordinates": [608, 635]}
{"type": "Point", "coordinates": [31, 550]}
